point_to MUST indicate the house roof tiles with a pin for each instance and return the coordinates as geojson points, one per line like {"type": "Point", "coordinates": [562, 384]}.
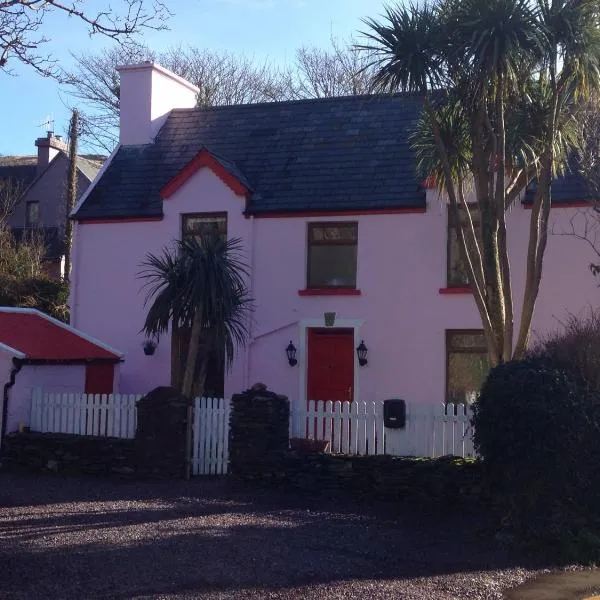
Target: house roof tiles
{"type": "Point", "coordinates": [347, 153]}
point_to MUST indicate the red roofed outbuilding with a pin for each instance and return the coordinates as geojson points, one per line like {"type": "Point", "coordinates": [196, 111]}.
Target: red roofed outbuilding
{"type": "Point", "coordinates": [38, 351]}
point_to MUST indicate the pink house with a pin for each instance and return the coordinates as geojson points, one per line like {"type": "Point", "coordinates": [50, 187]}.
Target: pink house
{"type": "Point", "coordinates": [347, 249]}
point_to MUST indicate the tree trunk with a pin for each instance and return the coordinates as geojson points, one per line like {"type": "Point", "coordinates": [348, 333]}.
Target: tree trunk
{"type": "Point", "coordinates": [192, 353]}
{"type": "Point", "coordinates": [71, 191]}
{"type": "Point", "coordinates": [176, 354]}
{"type": "Point", "coordinates": [478, 291]}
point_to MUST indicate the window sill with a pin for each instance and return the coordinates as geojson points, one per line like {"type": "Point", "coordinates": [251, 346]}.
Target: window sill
{"type": "Point", "coordinates": [455, 290]}
{"type": "Point", "coordinates": [329, 292]}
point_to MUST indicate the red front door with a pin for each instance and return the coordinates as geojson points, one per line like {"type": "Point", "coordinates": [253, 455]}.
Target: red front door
{"type": "Point", "coordinates": [330, 364]}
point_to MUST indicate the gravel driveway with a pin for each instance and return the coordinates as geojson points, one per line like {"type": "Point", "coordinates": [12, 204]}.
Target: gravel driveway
{"type": "Point", "coordinates": [94, 538]}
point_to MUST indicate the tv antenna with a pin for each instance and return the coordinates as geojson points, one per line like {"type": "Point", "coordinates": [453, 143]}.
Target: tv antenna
{"type": "Point", "coordinates": [47, 124]}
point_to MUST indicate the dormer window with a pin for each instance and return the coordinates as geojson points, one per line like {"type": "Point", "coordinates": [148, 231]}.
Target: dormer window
{"type": "Point", "coordinates": [332, 251]}
{"type": "Point", "coordinates": [32, 216]}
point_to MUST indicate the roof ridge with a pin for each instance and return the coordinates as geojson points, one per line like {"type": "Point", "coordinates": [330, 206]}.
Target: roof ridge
{"type": "Point", "coordinates": [346, 98]}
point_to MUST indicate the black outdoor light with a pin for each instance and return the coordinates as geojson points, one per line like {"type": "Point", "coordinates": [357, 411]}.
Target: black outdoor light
{"type": "Point", "coordinates": [291, 354]}
{"type": "Point", "coordinates": [149, 347]}
{"type": "Point", "coordinates": [361, 352]}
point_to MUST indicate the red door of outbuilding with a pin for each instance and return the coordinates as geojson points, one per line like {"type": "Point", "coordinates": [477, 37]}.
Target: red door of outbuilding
{"type": "Point", "coordinates": [99, 378]}
{"type": "Point", "coordinates": [330, 364]}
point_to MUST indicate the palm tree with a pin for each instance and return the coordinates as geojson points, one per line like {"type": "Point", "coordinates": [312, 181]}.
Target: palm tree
{"type": "Point", "coordinates": [501, 83]}
{"type": "Point", "coordinates": [200, 285]}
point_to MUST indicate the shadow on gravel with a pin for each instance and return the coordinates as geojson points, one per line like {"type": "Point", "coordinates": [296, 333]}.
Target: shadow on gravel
{"type": "Point", "coordinates": [100, 539]}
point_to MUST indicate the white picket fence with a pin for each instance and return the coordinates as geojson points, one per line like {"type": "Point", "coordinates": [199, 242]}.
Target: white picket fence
{"type": "Point", "coordinates": [114, 415]}
{"type": "Point", "coordinates": [349, 427]}
{"type": "Point", "coordinates": [357, 428]}
{"type": "Point", "coordinates": [210, 450]}
{"type": "Point", "coordinates": [84, 414]}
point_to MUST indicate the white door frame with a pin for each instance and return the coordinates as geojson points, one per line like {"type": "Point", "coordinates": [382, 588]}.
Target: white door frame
{"type": "Point", "coordinates": [303, 327]}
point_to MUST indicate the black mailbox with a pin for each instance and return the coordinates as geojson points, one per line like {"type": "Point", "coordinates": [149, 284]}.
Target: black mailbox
{"type": "Point", "coordinates": [394, 413]}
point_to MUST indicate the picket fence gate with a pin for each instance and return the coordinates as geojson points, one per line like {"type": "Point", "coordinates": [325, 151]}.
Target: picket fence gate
{"type": "Point", "coordinates": [106, 415]}
{"type": "Point", "coordinates": [432, 430]}
{"type": "Point", "coordinates": [210, 450]}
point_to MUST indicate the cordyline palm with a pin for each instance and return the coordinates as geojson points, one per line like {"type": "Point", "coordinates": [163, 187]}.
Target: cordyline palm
{"type": "Point", "coordinates": [501, 82]}
{"type": "Point", "coordinates": [199, 284]}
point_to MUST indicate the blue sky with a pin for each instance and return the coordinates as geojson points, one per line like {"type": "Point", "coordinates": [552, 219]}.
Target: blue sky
{"type": "Point", "coordinates": [263, 29]}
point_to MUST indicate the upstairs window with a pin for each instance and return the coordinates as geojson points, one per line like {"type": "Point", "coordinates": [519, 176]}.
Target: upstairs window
{"type": "Point", "coordinates": [332, 250]}
{"type": "Point", "coordinates": [197, 225]}
{"type": "Point", "coordinates": [457, 270]}
{"type": "Point", "coordinates": [32, 216]}
{"type": "Point", "coordinates": [467, 364]}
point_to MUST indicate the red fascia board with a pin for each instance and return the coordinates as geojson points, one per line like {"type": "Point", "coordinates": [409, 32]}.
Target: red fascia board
{"type": "Point", "coordinates": [329, 292]}
{"type": "Point", "coordinates": [92, 221]}
{"type": "Point", "coordinates": [455, 290]}
{"type": "Point", "coordinates": [203, 159]}
{"type": "Point", "coordinates": [337, 213]}
{"type": "Point", "coordinates": [566, 204]}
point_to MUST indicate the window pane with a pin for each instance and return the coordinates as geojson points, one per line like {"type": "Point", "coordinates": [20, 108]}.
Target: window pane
{"type": "Point", "coordinates": [332, 266]}
{"type": "Point", "coordinates": [334, 233]}
{"type": "Point", "coordinates": [196, 225]}
{"type": "Point", "coordinates": [458, 339]}
{"type": "Point", "coordinates": [33, 213]}
{"type": "Point", "coordinates": [457, 272]}
{"type": "Point", "coordinates": [466, 374]}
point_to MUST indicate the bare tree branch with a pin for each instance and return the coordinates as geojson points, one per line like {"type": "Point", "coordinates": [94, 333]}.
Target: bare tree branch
{"type": "Point", "coordinates": [223, 79]}
{"type": "Point", "coordinates": [21, 21]}
{"type": "Point", "coordinates": [11, 193]}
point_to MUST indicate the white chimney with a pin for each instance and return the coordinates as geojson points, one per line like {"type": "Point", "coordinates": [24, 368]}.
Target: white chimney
{"type": "Point", "coordinates": [148, 93]}
{"type": "Point", "coordinates": [48, 147]}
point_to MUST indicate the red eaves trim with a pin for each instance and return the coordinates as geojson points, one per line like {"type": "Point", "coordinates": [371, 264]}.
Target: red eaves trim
{"type": "Point", "coordinates": [203, 159]}
{"type": "Point", "coordinates": [569, 204]}
{"type": "Point", "coordinates": [121, 220]}
{"type": "Point", "coordinates": [456, 290]}
{"type": "Point", "coordinates": [338, 213]}
{"type": "Point", "coordinates": [329, 292]}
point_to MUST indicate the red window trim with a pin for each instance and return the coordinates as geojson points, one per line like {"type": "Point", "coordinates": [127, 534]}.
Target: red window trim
{"type": "Point", "coordinates": [455, 290]}
{"type": "Point", "coordinates": [329, 292]}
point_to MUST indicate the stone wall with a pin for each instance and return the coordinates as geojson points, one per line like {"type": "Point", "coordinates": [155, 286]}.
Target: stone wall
{"type": "Point", "coordinates": [449, 481]}
{"type": "Point", "coordinates": [258, 433]}
{"type": "Point", "coordinates": [158, 450]}
{"type": "Point", "coordinates": [69, 454]}
{"type": "Point", "coordinates": [260, 452]}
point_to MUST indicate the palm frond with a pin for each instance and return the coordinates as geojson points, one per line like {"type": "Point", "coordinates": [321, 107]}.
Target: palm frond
{"type": "Point", "coordinates": [406, 49]}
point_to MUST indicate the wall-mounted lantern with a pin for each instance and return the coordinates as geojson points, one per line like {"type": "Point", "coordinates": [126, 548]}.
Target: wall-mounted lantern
{"type": "Point", "coordinates": [361, 352]}
{"type": "Point", "coordinates": [149, 347]}
{"type": "Point", "coordinates": [291, 354]}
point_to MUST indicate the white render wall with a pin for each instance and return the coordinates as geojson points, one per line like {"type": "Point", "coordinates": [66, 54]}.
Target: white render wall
{"type": "Point", "coordinates": [51, 378]}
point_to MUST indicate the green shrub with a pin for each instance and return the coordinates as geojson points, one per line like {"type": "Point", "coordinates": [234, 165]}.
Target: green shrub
{"type": "Point", "coordinates": [576, 346]}
{"type": "Point", "coordinates": [41, 292]}
{"type": "Point", "coordinates": [537, 428]}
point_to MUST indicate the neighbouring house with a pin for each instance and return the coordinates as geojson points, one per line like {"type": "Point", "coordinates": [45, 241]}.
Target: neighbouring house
{"type": "Point", "coordinates": [41, 183]}
{"type": "Point", "coordinates": [39, 351]}
{"type": "Point", "coordinates": [354, 264]}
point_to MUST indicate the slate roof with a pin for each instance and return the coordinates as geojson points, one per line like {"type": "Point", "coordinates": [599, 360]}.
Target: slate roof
{"type": "Point", "coordinates": [571, 187]}
{"type": "Point", "coordinates": [347, 153]}
{"type": "Point", "coordinates": [23, 168]}
{"type": "Point", "coordinates": [18, 168]}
